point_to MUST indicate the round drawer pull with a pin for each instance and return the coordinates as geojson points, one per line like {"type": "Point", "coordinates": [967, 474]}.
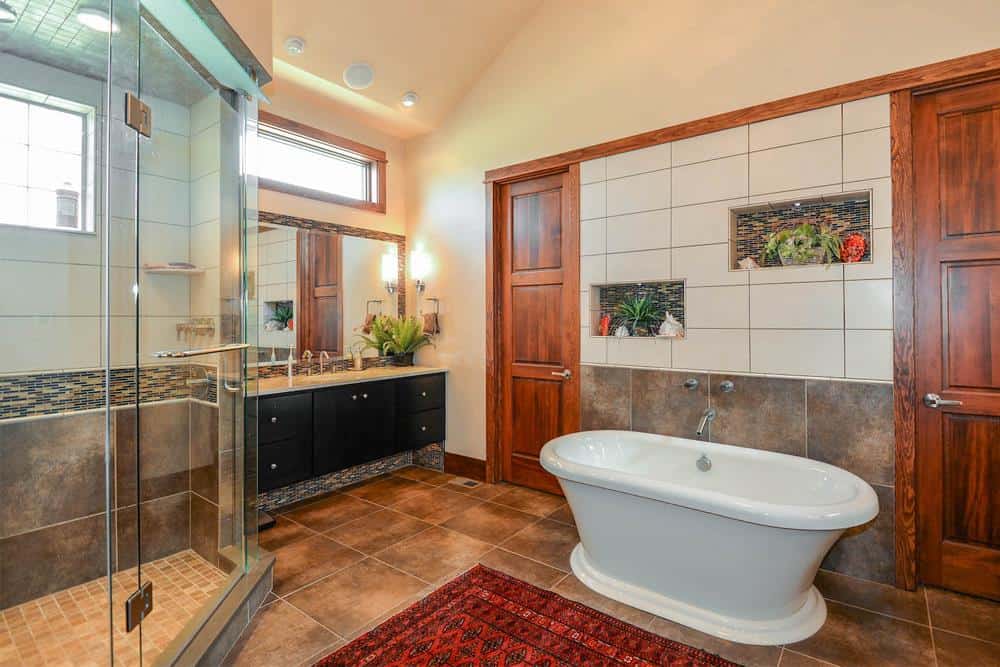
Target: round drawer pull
{"type": "Point", "coordinates": [354, 397]}
{"type": "Point", "coordinates": [274, 466]}
{"type": "Point", "coordinates": [423, 428]}
{"type": "Point", "coordinates": [364, 395]}
{"type": "Point", "coordinates": [274, 420]}
{"type": "Point", "coordinates": [424, 394]}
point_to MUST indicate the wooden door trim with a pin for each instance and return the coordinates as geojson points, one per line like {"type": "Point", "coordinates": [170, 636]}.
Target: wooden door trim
{"type": "Point", "coordinates": [494, 318]}
{"type": "Point", "coordinates": [953, 70]}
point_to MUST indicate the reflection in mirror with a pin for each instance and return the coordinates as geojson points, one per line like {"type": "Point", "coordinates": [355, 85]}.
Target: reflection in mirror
{"type": "Point", "coordinates": [316, 290]}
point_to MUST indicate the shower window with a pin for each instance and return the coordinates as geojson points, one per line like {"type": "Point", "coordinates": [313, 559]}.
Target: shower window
{"type": "Point", "coordinates": [47, 161]}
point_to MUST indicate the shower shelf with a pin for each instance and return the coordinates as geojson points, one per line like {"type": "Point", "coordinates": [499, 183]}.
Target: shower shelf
{"type": "Point", "coordinates": [173, 271]}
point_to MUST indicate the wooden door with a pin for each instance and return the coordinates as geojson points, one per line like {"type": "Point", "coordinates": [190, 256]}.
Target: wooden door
{"type": "Point", "coordinates": [539, 278]}
{"type": "Point", "coordinates": [956, 144]}
{"type": "Point", "coordinates": [320, 302]}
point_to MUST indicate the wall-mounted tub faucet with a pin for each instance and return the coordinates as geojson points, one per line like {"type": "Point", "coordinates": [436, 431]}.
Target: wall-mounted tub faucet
{"type": "Point", "coordinates": [706, 418]}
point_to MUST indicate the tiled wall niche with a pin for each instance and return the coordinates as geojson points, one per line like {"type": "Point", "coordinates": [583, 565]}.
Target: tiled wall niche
{"type": "Point", "coordinates": [666, 296]}
{"type": "Point", "coordinates": [662, 213]}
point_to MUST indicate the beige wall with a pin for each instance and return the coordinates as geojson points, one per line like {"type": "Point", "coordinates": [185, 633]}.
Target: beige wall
{"type": "Point", "coordinates": [301, 105]}
{"type": "Point", "coordinates": [582, 72]}
{"type": "Point", "coordinates": [253, 20]}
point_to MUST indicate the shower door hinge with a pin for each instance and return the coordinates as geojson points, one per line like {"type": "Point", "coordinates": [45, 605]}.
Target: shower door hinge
{"type": "Point", "coordinates": [138, 115]}
{"type": "Point", "coordinates": [138, 606]}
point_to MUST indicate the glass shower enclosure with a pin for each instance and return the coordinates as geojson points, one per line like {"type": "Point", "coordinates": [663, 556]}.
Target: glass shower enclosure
{"type": "Point", "coordinates": [126, 205]}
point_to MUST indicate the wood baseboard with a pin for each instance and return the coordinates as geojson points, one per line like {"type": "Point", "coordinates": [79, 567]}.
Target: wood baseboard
{"type": "Point", "coordinates": [465, 466]}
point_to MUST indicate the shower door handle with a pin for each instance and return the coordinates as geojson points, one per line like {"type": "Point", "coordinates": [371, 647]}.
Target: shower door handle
{"type": "Point", "coordinates": [184, 354]}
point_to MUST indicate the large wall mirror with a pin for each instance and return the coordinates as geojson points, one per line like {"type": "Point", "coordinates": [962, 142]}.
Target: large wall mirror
{"type": "Point", "coordinates": [319, 283]}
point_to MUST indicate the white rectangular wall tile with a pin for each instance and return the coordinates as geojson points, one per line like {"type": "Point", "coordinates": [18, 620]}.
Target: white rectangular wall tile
{"type": "Point", "coordinates": [868, 355]}
{"type": "Point", "coordinates": [593, 171]}
{"type": "Point", "coordinates": [881, 264]}
{"type": "Point", "coordinates": [587, 310]}
{"type": "Point", "coordinates": [593, 349]}
{"type": "Point", "coordinates": [816, 273]}
{"type": "Point", "coordinates": [717, 307]}
{"type": "Point", "coordinates": [713, 349]}
{"type": "Point", "coordinates": [881, 205]}
{"type": "Point", "coordinates": [796, 128]}
{"type": "Point", "coordinates": [592, 237]}
{"type": "Point", "coordinates": [711, 146]}
{"type": "Point", "coordinates": [701, 224]}
{"type": "Point", "coordinates": [642, 192]}
{"type": "Point", "coordinates": [868, 304]}
{"type": "Point", "coordinates": [592, 201]}
{"type": "Point", "coordinates": [627, 267]}
{"type": "Point", "coordinates": [592, 271]}
{"type": "Point", "coordinates": [797, 166]}
{"type": "Point", "coordinates": [705, 266]}
{"type": "Point", "coordinates": [797, 352]}
{"type": "Point", "coordinates": [725, 178]}
{"type": "Point", "coordinates": [866, 155]}
{"type": "Point", "coordinates": [797, 306]}
{"type": "Point", "coordinates": [639, 231]}
{"type": "Point", "coordinates": [639, 161]}
{"type": "Point", "coordinates": [55, 343]}
{"type": "Point", "coordinates": [803, 193]}
{"type": "Point", "coordinates": [651, 352]}
{"type": "Point", "coordinates": [866, 114]}
{"type": "Point", "coordinates": [51, 290]}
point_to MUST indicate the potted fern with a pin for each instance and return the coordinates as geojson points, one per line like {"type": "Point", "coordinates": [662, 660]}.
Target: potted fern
{"type": "Point", "coordinates": [638, 314]}
{"type": "Point", "coordinates": [805, 244]}
{"type": "Point", "coordinates": [398, 337]}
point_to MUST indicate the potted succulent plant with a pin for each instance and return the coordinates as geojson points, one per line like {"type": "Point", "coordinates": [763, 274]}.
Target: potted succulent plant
{"type": "Point", "coordinates": [638, 314]}
{"type": "Point", "coordinates": [805, 244]}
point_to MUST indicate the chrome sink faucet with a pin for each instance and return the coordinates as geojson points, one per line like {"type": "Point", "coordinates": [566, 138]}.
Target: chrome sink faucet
{"type": "Point", "coordinates": [707, 417]}
{"type": "Point", "coordinates": [323, 355]}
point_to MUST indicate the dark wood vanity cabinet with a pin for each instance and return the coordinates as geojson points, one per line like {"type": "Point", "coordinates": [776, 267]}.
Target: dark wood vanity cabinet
{"type": "Point", "coordinates": [314, 432]}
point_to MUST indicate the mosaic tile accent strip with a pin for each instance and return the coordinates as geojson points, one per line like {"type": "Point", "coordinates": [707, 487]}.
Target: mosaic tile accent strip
{"type": "Point", "coordinates": [334, 366]}
{"type": "Point", "coordinates": [267, 217]}
{"type": "Point", "coordinates": [666, 296]}
{"type": "Point", "coordinates": [751, 228]}
{"type": "Point", "coordinates": [34, 394]}
{"type": "Point", "coordinates": [71, 626]}
{"type": "Point", "coordinates": [431, 456]}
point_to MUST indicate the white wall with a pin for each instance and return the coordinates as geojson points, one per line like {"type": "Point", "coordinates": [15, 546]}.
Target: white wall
{"type": "Point", "coordinates": [580, 73]}
{"type": "Point", "coordinates": [362, 273]}
{"type": "Point", "coordinates": [276, 280]}
{"type": "Point", "coordinates": [663, 213]}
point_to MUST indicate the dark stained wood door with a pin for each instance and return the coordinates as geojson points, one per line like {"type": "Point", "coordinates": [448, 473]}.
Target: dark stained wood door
{"type": "Point", "coordinates": [956, 143]}
{"type": "Point", "coordinates": [320, 299]}
{"type": "Point", "coordinates": [540, 335]}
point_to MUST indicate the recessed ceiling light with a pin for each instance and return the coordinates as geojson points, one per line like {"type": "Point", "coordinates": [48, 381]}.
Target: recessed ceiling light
{"type": "Point", "coordinates": [410, 99]}
{"type": "Point", "coordinates": [7, 13]}
{"type": "Point", "coordinates": [359, 75]}
{"type": "Point", "coordinates": [96, 18]}
{"type": "Point", "coordinates": [295, 45]}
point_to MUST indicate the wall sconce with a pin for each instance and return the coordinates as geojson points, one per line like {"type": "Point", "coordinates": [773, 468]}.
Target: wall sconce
{"type": "Point", "coordinates": [420, 267]}
{"type": "Point", "coordinates": [390, 271]}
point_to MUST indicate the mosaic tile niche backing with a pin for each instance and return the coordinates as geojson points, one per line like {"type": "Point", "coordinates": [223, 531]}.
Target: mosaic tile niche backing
{"type": "Point", "coordinates": [666, 296]}
{"type": "Point", "coordinates": [844, 214]}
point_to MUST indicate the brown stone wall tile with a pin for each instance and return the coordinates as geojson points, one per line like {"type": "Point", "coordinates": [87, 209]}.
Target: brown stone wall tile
{"type": "Point", "coordinates": [163, 441]}
{"type": "Point", "coordinates": [851, 426]}
{"type": "Point", "coordinates": [662, 405]}
{"type": "Point", "coordinates": [165, 529]}
{"type": "Point", "coordinates": [869, 551]}
{"type": "Point", "coordinates": [205, 450]}
{"type": "Point", "coordinates": [205, 528]}
{"type": "Point", "coordinates": [604, 398]}
{"type": "Point", "coordinates": [761, 412]}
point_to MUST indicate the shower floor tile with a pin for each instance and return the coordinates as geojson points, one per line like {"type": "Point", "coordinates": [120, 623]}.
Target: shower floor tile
{"type": "Point", "coordinates": [70, 627]}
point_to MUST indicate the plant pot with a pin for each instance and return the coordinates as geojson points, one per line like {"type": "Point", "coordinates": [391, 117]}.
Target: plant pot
{"type": "Point", "coordinates": [816, 257]}
{"type": "Point", "coordinates": [402, 359]}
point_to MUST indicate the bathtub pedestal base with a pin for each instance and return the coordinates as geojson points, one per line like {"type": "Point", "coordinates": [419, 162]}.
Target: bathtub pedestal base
{"type": "Point", "coordinates": [803, 623]}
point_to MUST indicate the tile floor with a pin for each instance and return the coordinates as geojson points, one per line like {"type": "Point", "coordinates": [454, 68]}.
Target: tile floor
{"type": "Point", "coordinates": [70, 628]}
{"type": "Point", "coordinates": [349, 561]}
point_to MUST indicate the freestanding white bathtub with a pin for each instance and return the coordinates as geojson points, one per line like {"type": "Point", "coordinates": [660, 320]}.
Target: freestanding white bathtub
{"type": "Point", "coordinates": [731, 551]}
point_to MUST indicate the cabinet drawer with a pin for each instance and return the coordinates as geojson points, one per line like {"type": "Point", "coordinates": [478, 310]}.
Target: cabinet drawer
{"type": "Point", "coordinates": [421, 428]}
{"type": "Point", "coordinates": [283, 417]}
{"type": "Point", "coordinates": [284, 462]}
{"type": "Point", "coordinates": [421, 393]}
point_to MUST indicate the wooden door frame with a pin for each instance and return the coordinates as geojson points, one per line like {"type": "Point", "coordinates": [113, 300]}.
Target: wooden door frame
{"type": "Point", "coordinates": [900, 86]}
{"type": "Point", "coordinates": [495, 235]}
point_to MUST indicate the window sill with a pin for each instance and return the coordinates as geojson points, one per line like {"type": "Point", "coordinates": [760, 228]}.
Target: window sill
{"type": "Point", "coordinates": [328, 197]}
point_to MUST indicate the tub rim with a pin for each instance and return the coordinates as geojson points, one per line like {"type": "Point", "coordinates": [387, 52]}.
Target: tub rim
{"type": "Point", "coordinates": [860, 509]}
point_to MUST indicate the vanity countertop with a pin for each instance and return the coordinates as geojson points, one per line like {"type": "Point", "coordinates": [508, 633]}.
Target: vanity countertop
{"type": "Point", "coordinates": [279, 385]}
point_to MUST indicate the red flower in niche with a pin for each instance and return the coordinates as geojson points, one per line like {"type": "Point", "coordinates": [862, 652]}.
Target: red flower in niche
{"type": "Point", "coordinates": [853, 248]}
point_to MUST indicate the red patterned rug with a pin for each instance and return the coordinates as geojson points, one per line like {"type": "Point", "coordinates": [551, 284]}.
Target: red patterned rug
{"type": "Point", "coordinates": [487, 618]}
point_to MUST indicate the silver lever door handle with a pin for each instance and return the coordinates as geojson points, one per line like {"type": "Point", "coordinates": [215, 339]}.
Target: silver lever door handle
{"type": "Point", "coordinates": [935, 401]}
{"type": "Point", "coordinates": [564, 373]}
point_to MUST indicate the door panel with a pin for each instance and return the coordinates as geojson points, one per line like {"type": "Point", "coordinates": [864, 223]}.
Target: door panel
{"type": "Point", "coordinates": [540, 301]}
{"type": "Point", "coordinates": [956, 140]}
{"type": "Point", "coordinates": [320, 305]}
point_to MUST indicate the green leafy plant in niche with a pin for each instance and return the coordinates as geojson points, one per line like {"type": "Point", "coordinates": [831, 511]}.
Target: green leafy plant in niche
{"type": "Point", "coordinates": [805, 244]}
{"type": "Point", "coordinates": [638, 314]}
{"type": "Point", "coordinates": [282, 314]}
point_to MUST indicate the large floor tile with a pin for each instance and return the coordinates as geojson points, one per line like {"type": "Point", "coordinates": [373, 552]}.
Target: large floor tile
{"type": "Point", "coordinates": [435, 554]}
{"type": "Point", "coordinates": [385, 490]}
{"type": "Point", "coordinates": [744, 654]}
{"type": "Point", "coordinates": [547, 541]}
{"type": "Point", "coordinates": [280, 635]}
{"type": "Point", "coordinates": [435, 505]}
{"type": "Point", "coordinates": [573, 589]}
{"type": "Point", "coordinates": [356, 595]}
{"type": "Point", "coordinates": [306, 561]}
{"type": "Point", "coordinates": [481, 490]}
{"type": "Point", "coordinates": [889, 600]}
{"type": "Point", "coordinates": [284, 532]}
{"type": "Point", "coordinates": [522, 568]}
{"type": "Point", "coordinates": [860, 638]}
{"type": "Point", "coordinates": [790, 658]}
{"type": "Point", "coordinates": [534, 502]}
{"type": "Point", "coordinates": [563, 515]}
{"type": "Point", "coordinates": [425, 475]}
{"type": "Point", "coordinates": [490, 522]}
{"type": "Point", "coordinates": [957, 651]}
{"type": "Point", "coordinates": [331, 512]}
{"type": "Point", "coordinates": [964, 614]}
{"type": "Point", "coordinates": [377, 531]}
